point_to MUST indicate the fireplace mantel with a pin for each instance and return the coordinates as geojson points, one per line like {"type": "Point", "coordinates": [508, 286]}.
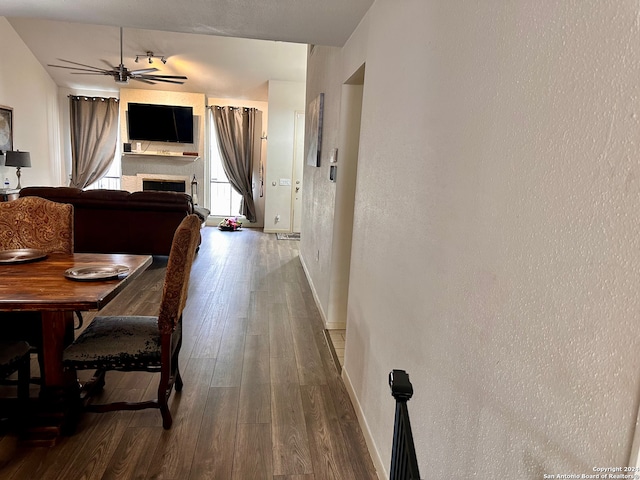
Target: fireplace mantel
{"type": "Point", "coordinates": [133, 183]}
{"type": "Point", "coordinates": [179, 156]}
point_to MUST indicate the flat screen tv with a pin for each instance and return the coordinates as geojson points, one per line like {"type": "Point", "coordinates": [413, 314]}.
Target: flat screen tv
{"type": "Point", "coordinates": [160, 123]}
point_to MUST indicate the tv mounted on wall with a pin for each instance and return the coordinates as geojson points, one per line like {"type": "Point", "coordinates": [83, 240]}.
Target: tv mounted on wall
{"type": "Point", "coordinates": [160, 123]}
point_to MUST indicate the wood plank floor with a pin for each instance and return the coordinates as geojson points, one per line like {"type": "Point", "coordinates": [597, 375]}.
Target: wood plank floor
{"type": "Point", "coordinates": [262, 396]}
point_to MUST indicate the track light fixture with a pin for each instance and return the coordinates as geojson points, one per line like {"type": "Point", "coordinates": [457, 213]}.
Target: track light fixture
{"type": "Point", "coordinates": [150, 56]}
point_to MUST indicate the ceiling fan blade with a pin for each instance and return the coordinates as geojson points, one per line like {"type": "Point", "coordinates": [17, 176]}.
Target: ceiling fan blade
{"type": "Point", "coordinates": [108, 74]}
{"type": "Point", "coordinates": [160, 79]}
{"type": "Point", "coordinates": [80, 64]}
{"type": "Point", "coordinates": [143, 71]}
{"type": "Point", "coordinates": [143, 80]}
{"type": "Point", "coordinates": [175, 77]}
{"type": "Point", "coordinates": [77, 69]}
{"type": "Point", "coordinates": [176, 82]}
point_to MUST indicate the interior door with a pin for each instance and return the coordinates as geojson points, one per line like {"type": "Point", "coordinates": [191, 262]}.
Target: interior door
{"type": "Point", "coordinates": [298, 168]}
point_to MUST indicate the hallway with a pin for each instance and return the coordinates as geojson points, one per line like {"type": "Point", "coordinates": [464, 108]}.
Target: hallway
{"type": "Point", "coordinates": [262, 398]}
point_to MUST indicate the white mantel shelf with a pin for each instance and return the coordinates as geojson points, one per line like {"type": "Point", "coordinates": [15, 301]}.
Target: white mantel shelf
{"type": "Point", "coordinates": [173, 155]}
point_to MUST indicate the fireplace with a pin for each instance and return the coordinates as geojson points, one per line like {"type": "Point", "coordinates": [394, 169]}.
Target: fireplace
{"type": "Point", "coordinates": [155, 181]}
{"type": "Point", "coordinates": [164, 185]}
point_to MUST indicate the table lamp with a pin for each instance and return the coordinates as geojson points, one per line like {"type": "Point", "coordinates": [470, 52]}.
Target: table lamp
{"type": "Point", "coordinates": [17, 159]}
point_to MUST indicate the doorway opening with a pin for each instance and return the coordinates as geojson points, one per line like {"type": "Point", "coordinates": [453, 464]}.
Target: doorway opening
{"type": "Point", "coordinates": [346, 176]}
{"type": "Point", "coordinates": [297, 172]}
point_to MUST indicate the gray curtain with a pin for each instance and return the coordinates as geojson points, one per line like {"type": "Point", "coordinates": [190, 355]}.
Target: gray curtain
{"type": "Point", "coordinates": [236, 129]}
{"type": "Point", "coordinates": [94, 133]}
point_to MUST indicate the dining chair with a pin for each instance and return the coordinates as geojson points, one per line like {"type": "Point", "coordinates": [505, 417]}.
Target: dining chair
{"type": "Point", "coordinates": [141, 343]}
{"type": "Point", "coordinates": [33, 222]}
{"type": "Point", "coordinates": [15, 357]}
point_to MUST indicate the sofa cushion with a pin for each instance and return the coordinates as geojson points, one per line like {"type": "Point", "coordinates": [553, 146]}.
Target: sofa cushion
{"type": "Point", "coordinates": [116, 221]}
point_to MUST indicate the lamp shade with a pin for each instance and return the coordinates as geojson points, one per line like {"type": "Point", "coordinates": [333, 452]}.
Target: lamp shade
{"type": "Point", "coordinates": [17, 159]}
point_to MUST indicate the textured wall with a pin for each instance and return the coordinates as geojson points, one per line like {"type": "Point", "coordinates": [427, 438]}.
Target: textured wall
{"type": "Point", "coordinates": [324, 75]}
{"type": "Point", "coordinates": [285, 98]}
{"type": "Point", "coordinates": [508, 133]}
{"type": "Point", "coordinates": [27, 88]}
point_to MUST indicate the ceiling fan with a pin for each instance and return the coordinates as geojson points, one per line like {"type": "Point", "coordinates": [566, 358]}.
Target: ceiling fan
{"type": "Point", "coordinates": [122, 74]}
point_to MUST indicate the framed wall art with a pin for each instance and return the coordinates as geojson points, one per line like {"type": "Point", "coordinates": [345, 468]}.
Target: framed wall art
{"type": "Point", "coordinates": [314, 130]}
{"type": "Point", "coordinates": [6, 128]}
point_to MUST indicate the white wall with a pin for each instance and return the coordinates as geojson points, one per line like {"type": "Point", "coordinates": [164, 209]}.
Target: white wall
{"type": "Point", "coordinates": [324, 75]}
{"type": "Point", "coordinates": [28, 89]}
{"type": "Point", "coordinates": [346, 168]}
{"type": "Point", "coordinates": [132, 165]}
{"type": "Point", "coordinates": [285, 98]}
{"type": "Point", "coordinates": [508, 134]}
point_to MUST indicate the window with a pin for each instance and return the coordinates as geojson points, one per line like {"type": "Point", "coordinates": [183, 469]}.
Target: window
{"type": "Point", "coordinates": [225, 201]}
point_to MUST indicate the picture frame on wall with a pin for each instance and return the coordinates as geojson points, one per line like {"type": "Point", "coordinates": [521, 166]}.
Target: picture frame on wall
{"type": "Point", "coordinates": [314, 130]}
{"type": "Point", "coordinates": [6, 128]}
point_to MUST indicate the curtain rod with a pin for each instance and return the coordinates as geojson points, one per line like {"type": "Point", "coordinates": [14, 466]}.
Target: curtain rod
{"type": "Point", "coordinates": [232, 107]}
{"type": "Point", "coordinates": [84, 97]}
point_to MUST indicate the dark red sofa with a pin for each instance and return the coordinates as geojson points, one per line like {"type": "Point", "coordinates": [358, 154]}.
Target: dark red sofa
{"type": "Point", "coordinates": [116, 221]}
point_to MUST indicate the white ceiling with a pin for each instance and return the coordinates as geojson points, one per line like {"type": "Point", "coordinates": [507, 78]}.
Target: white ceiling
{"type": "Point", "coordinates": [218, 66]}
{"type": "Point", "coordinates": [226, 48]}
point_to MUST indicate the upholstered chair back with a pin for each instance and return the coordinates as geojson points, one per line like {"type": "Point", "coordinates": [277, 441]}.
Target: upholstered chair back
{"type": "Point", "coordinates": [176, 282]}
{"type": "Point", "coordinates": [34, 222]}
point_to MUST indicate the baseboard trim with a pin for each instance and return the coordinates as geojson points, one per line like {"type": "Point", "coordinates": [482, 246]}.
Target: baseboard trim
{"type": "Point", "coordinates": [335, 326]}
{"type": "Point", "coordinates": [381, 471]}
{"type": "Point", "coordinates": [332, 349]}
{"type": "Point", "coordinates": [313, 291]}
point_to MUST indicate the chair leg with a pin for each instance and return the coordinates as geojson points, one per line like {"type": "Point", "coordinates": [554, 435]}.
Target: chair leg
{"type": "Point", "coordinates": [163, 403]}
{"type": "Point", "coordinates": [166, 415]}
{"type": "Point", "coordinates": [73, 399]}
{"type": "Point", "coordinates": [178, 382]}
{"type": "Point", "coordinates": [24, 372]}
{"type": "Point", "coordinates": [24, 378]}
{"type": "Point", "coordinates": [177, 378]}
{"type": "Point", "coordinates": [175, 365]}
{"type": "Point", "coordinates": [40, 380]}
{"type": "Point", "coordinates": [94, 385]}
{"type": "Point", "coordinates": [164, 391]}
{"type": "Point", "coordinates": [98, 376]}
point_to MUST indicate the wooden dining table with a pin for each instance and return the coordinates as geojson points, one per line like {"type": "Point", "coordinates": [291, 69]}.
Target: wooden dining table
{"type": "Point", "coordinates": [42, 286]}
